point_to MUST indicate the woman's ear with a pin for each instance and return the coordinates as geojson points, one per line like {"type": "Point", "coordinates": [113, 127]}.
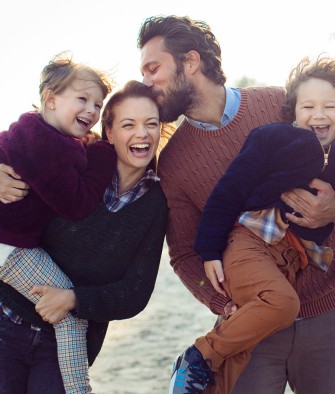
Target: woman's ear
{"type": "Point", "coordinates": [109, 135]}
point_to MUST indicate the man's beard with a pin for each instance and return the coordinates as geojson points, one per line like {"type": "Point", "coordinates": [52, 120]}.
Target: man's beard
{"type": "Point", "coordinates": [178, 100]}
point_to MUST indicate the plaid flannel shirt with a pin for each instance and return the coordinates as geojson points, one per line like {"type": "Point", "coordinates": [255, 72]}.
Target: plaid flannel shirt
{"type": "Point", "coordinates": [268, 225]}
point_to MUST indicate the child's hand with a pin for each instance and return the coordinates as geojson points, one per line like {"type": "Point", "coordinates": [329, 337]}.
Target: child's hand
{"type": "Point", "coordinates": [214, 272]}
{"type": "Point", "coordinates": [90, 138]}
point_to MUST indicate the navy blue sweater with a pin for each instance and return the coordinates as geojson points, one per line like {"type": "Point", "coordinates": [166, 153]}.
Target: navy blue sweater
{"type": "Point", "coordinates": [112, 259]}
{"type": "Point", "coordinates": [274, 158]}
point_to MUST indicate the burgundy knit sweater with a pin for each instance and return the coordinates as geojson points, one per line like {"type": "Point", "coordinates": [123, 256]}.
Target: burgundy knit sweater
{"type": "Point", "coordinates": [64, 179]}
{"type": "Point", "coordinates": [190, 165]}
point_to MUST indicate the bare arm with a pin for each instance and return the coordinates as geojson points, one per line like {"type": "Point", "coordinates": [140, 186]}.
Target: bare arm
{"type": "Point", "coordinates": [317, 210]}
{"type": "Point", "coordinates": [11, 187]}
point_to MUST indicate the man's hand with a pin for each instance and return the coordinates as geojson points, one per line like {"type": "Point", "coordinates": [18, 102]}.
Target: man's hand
{"type": "Point", "coordinates": [11, 188]}
{"type": "Point", "coordinates": [317, 211]}
{"type": "Point", "coordinates": [214, 273]}
{"type": "Point", "coordinates": [55, 302]}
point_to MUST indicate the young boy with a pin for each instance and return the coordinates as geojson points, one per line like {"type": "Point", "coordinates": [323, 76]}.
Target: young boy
{"type": "Point", "coordinates": [245, 220]}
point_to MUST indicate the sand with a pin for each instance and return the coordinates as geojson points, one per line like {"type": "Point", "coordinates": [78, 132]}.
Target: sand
{"type": "Point", "coordinates": [138, 353]}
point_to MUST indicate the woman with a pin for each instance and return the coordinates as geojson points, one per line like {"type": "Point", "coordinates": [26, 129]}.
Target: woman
{"type": "Point", "coordinates": [112, 256]}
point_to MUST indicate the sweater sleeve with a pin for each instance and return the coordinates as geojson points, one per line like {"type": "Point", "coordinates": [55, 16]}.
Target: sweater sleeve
{"type": "Point", "coordinates": [228, 198]}
{"type": "Point", "coordinates": [69, 180]}
{"type": "Point", "coordinates": [130, 295]}
{"type": "Point", "coordinates": [182, 224]}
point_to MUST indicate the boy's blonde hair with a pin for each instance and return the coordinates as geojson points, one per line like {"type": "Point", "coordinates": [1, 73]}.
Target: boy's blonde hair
{"type": "Point", "coordinates": [323, 68]}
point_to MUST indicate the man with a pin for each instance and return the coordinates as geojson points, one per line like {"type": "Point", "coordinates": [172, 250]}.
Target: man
{"type": "Point", "coordinates": [181, 62]}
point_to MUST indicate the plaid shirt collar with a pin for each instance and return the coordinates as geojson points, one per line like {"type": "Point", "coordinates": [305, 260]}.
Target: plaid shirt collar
{"type": "Point", "coordinates": [115, 201]}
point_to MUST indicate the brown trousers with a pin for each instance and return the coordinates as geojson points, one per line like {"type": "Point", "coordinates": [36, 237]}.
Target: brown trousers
{"type": "Point", "coordinates": [257, 278]}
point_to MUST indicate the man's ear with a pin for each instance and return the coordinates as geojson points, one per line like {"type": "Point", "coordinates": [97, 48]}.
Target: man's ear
{"type": "Point", "coordinates": [192, 61]}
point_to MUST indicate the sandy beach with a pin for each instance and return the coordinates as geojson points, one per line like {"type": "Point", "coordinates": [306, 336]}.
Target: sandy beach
{"type": "Point", "coordinates": [138, 353]}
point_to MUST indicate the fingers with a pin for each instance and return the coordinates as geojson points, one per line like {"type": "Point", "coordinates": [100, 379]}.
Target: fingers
{"type": "Point", "coordinates": [318, 184]}
{"type": "Point", "coordinates": [17, 195]}
{"type": "Point", "coordinates": [216, 284]}
{"type": "Point", "coordinates": [9, 170]}
{"type": "Point", "coordinates": [214, 272]}
{"type": "Point", "coordinates": [229, 309]}
{"type": "Point", "coordinates": [90, 138]}
{"type": "Point", "coordinates": [37, 289]}
{"type": "Point", "coordinates": [219, 272]}
{"type": "Point", "coordinates": [4, 201]}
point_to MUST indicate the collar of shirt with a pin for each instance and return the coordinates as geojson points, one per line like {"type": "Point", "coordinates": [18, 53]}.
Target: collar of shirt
{"type": "Point", "coordinates": [115, 201]}
{"type": "Point", "coordinates": [233, 101]}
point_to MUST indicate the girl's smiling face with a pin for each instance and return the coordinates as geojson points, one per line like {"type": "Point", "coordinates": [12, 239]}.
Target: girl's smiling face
{"type": "Point", "coordinates": [135, 133]}
{"type": "Point", "coordinates": [75, 110]}
{"type": "Point", "coordinates": [315, 108]}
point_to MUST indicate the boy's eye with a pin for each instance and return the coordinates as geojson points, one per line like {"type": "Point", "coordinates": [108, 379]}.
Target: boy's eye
{"type": "Point", "coordinates": [82, 98]}
{"type": "Point", "coordinates": [99, 106]}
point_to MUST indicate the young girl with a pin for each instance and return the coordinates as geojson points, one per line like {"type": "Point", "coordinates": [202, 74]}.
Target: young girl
{"type": "Point", "coordinates": [44, 148]}
{"type": "Point", "coordinates": [245, 220]}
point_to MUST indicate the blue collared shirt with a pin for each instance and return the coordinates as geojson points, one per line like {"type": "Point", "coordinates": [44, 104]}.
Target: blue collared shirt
{"type": "Point", "coordinates": [233, 101]}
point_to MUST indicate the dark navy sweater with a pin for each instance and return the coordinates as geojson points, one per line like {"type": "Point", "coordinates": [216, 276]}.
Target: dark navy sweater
{"type": "Point", "coordinates": [274, 158]}
{"type": "Point", "coordinates": [112, 259]}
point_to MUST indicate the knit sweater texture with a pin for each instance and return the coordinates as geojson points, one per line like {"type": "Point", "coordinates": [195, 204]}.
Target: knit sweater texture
{"type": "Point", "coordinates": [112, 259]}
{"type": "Point", "coordinates": [64, 178]}
{"type": "Point", "coordinates": [274, 158]}
{"type": "Point", "coordinates": [190, 166]}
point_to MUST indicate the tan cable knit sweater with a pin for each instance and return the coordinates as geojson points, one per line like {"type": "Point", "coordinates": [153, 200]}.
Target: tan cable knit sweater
{"type": "Point", "coordinates": [190, 165]}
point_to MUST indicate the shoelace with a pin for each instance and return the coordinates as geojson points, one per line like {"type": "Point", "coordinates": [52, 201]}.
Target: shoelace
{"type": "Point", "coordinates": [199, 376]}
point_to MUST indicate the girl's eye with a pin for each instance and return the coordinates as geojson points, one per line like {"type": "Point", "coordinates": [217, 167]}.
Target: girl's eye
{"type": "Point", "coordinates": [154, 70]}
{"type": "Point", "coordinates": [127, 125]}
{"type": "Point", "coordinates": [153, 124]}
{"type": "Point", "coordinates": [82, 98]}
{"type": "Point", "coordinates": [98, 106]}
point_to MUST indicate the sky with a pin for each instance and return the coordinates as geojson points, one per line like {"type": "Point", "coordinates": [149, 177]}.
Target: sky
{"type": "Point", "coordinates": [260, 39]}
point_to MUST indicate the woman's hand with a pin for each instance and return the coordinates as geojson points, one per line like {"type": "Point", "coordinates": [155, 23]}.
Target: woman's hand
{"type": "Point", "coordinates": [55, 302]}
{"type": "Point", "coordinates": [317, 210]}
{"type": "Point", "coordinates": [214, 273]}
{"type": "Point", "coordinates": [11, 188]}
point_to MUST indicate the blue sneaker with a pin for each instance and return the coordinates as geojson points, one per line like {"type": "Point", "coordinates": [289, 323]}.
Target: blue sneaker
{"type": "Point", "coordinates": [190, 373]}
